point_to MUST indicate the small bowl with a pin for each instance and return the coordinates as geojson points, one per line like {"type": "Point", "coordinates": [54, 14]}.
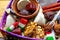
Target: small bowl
{"type": "Point", "coordinates": [14, 7]}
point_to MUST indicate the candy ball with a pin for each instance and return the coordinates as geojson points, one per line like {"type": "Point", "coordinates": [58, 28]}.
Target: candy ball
{"type": "Point", "coordinates": [17, 31]}
{"type": "Point", "coordinates": [24, 12]}
{"type": "Point", "coordinates": [31, 7]}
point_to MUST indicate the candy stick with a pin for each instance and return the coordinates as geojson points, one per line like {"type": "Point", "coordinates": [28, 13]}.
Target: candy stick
{"type": "Point", "coordinates": [54, 19]}
{"type": "Point", "coordinates": [23, 23]}
{"type": "Point", "coordinates": [51, 6]}
{"type": "Point", "coordinates": [52, 9]}
{"type": "Point", "coordinates": [51, 36]}
{"type": "Point", "coordinates": [12, 27]}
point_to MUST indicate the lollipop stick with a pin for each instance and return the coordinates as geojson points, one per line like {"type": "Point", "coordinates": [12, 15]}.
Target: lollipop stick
{"type": "Point", "coordinates": [55, 18]}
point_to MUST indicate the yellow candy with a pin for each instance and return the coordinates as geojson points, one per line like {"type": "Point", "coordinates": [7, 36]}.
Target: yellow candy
{"type": "Point", "coordinates": [30, 28]}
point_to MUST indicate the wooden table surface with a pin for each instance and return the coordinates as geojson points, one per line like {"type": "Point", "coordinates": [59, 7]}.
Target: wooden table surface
{"type": "Point", "coordinates": [3, 5]}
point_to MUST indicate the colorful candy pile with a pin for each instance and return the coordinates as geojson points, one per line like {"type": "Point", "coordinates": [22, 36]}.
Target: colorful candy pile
{"type": "Point", "coordinates": [45, 25]}
{"type": "Point", "coordinates": [26, 7]}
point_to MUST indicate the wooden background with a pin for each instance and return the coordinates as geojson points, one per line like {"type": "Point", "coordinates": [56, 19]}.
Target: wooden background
{"type": "Point", "coordinates": [3, 5]}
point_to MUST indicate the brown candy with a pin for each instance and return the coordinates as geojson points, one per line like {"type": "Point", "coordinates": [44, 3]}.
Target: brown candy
{"type": "Point", "coordinates": [33, 30]}
{"type": "Point", "coordinates": [31, 7]}
{"type": "Point", "coordinates": [49, 15]}
{"type": "Point", "coordinates": [29, 29]}
{"type": "Point", "coordinates": [48, 27]}
{"type": "Point", "coordinates": [38, 32]}
{"type": "Point", "coordinates": [57, 28]}
{"type": "Point", "coordinates": [17, 31]}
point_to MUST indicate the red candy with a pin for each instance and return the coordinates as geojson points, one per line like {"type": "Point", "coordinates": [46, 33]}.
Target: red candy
{"type": "Point", "coordinates": [47, 32]}
{"type": "Point", "coordinates": [15, 24]}
{"type": "Point", "coordinates": [23, 21]}
{"type": "Point", "coordinates": [31, 7]}
{"type": "Point", "coordinates": [17, 31]}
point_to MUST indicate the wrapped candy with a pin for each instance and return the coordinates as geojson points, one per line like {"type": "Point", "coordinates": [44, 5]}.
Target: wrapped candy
{"type": "Point", "coordinates": [17, 31]}
{"type": "Point", "coordinates": [31, 7]}
{"type": "Point", "coordinates": [49, 15]}
{"type": "Point", "coordinates": [24, 12]}
{"type": "Point", "coordinates": [23, 22]}
{"type": "Point", "coordinates": [9, 21]}
{"type": "Point", "coordinates": [57, 28]}
{"type": "Point", "coordinates": [40, 19]}
{"type": "Point", "coordinates": [12, 27]}
{"type": "Point", "coordinates": [50, 25]}
{"type": "Point", "coordinates": [50, 36]}
{"type": "Point", "coordinates": [29, 29]}
{"type": "Point", "coordinates": [38, 32]}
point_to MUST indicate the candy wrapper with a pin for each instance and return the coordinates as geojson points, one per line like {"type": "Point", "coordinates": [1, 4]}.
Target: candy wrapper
{"type": "Point", "coordinates": [9, 21]}
{"type": "Point", "coordinates": [30, 28]}
{"type": "Point", "coordinates": [38, 32]}
{"type": "Point", "coordinates": [40, 19]}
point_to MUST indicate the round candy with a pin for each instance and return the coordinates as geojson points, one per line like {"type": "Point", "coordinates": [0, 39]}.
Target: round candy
{"type": "Point", "coordinates": [24, 12]}
{"type": "Point", "coordinates": [17, 31]}
{"type": "Point", "coordinates": [31, 7]}
{"type": "Point", "coordinates": [15, 24]}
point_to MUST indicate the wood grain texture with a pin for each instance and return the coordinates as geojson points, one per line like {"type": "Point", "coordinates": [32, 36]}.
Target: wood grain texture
{"type": "Point", "coordinates": [3, 5]}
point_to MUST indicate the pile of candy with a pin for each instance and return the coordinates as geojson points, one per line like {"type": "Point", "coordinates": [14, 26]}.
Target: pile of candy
{"type": "Point", "coordinates": [26, 7]}
{"type": "Point", "coordinates": [34, 30]}
{"type": "Point", "coordinates": [45, 25]}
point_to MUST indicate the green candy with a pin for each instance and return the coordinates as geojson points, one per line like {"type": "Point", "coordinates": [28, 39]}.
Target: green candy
{"type": "Point", "coordinates": [22, 28]}
{"type": "Point", "coordinates": [8, 29]}
{"type": "Point", "coordinates": [50, 38]}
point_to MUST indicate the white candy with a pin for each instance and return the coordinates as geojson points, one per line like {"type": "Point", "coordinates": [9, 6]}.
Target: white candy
{"type": "Point", "coordinates": [24, 12]}
{"type": "Point", "coordinates": [9, 21]}
{"type": "Point", "coordinates": [22, 4]}
{"type": "Point", "coordinates": [40, 18]}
